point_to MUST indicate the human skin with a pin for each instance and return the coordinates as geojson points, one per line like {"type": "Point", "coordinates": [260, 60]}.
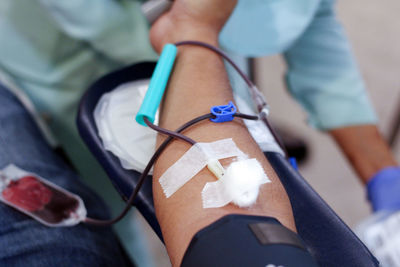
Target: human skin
{"type": "Point", "coordinates": [199, 81]}
{"type": "Point", "coordinates": [365, 149]}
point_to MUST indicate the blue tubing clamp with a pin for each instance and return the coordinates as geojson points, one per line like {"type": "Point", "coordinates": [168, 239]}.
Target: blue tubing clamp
{"type": "Point", "coordinates": [223, 113]}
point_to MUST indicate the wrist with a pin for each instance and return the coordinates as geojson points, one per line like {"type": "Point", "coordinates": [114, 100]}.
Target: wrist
{"type": "Point", "coordinates": [365, 148]}
{"type": "Point", "coordinates": [172, 31]}
{"type": "Point", "coordinates": [191, 20]}
{"type": "Point", "coordinates": [196, 32]}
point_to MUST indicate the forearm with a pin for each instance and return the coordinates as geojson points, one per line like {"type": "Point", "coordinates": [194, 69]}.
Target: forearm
{"type": "Point", "coordinates": [365, 148]}
{"type": "Point", "coordinates": [198, 82]}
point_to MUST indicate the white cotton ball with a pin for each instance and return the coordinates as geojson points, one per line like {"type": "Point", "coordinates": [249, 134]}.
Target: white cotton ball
{"type": "Point", "coordinates": [242, 181]}
{"type": "Point", "coordinates": [247, 198]}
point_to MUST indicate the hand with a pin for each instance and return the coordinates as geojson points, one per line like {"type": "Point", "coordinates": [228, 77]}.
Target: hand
{"type": "Point", "coordinates": [384, 189]}
{"type": "Point", "coordinates": [191, 19]}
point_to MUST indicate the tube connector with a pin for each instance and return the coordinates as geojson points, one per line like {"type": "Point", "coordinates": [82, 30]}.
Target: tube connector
{"type": "Point", "coordinates": [216, 168]}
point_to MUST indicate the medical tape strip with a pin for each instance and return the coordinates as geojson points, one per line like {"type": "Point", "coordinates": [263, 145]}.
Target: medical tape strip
{"type": "Point", "coordinates": [215, 195]}
{"type": "Point", "coordinates": [194, 160]}
{"type": "Point", "coordinates": [233, 189]}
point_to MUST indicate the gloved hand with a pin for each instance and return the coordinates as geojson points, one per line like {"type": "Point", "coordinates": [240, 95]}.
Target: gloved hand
{"type": "Point", "coordinates": [384, 189]}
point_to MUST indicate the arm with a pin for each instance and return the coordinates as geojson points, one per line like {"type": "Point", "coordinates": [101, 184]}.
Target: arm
{"type": "Point", "coordinates": [116, 29]}
{"type": "Point", "coordinates": [324, 78]}
{"type": "Point", "coordinates": [199, 81]}
{"type": "Point", "coordinates": [365, 148]}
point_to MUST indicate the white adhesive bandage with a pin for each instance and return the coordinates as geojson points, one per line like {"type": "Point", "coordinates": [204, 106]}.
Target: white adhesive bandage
{"type": "Point", "coordinates": [194, 160]}
{"type": "Point", "coordinates": [239, 185]}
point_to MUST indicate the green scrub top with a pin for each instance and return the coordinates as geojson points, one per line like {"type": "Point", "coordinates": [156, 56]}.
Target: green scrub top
{"type": "Point", "coordinates": [53, 50]}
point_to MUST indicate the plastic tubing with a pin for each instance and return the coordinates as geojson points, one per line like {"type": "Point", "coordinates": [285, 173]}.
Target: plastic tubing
{"type": "Point", "coordinates": [158, 83]}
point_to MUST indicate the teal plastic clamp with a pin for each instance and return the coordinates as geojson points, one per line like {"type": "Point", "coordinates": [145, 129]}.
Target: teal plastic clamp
{"type": "Point", "coordinates": [158, 83]}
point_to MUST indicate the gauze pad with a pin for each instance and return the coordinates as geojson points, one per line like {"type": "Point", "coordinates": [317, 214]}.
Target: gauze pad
{"type": "Point", "coordinates": [194, 160]}
{"type": "Point", "coordinates": [115, 115]}
{"type": "Point", "coordinates": [240, 185]}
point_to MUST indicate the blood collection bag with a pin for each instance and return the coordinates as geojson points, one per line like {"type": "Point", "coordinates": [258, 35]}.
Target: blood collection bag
{"type": "Point", "coordinates": [38, 198]}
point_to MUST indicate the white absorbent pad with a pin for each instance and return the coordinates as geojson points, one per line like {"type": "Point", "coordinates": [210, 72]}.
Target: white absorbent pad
{"type": "Point", "coordinates": [115, 116]}
{"type": "Point", "coordinates": [134, 144]}
{"type": "Point", "coordinates": [194, 160]}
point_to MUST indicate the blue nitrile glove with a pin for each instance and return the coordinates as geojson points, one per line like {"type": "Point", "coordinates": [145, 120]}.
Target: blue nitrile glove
{"type": "Point", "coordinates": [384, 189]}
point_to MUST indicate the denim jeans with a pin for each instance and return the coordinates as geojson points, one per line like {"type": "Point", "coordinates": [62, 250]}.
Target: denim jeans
{"type": "Point", "coordinates": [25, 242]}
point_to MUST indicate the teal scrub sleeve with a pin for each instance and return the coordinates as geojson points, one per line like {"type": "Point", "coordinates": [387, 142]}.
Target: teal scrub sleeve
{"type": "Point", "coordinates": [116, 29]}
{"type": "Point", "coordinates": [323, 76]}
